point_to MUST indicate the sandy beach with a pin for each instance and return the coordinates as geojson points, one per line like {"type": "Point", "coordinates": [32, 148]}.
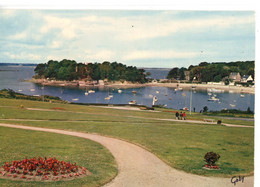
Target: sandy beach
{"type": "Point", "coordinates": [118, 84]}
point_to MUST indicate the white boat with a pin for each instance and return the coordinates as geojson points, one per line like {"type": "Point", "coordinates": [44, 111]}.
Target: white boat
{"type": "Point", "coordinates": [86, 93]}
{"type": "Point", "coordinates": [209, 93]}
{"type": "Point", "coordinates": [157, 92]}
{"type": "Point", "coordinates": [132, 102]}
{"type": "Point", "coordinates": [91, 91]}
{"type": "Point", "coordinates": [180, 89]}
{"type": "Point", "coordinates": [242, 95]}
{"type": "Point", "coordinates": [119, 91]}
{"type": "Point", "coordinates": [32, 90]}
{"type": "Point", "coordinates": [213, 99]}
{"type": "Point", "coordinates": [36, 95]}
{"type": "Point", "coordinates": [76, 99]}
{"type": "Point", "coordinates": [232, 105]}
{"type": "Point", "coordinates": [20, 90]}
{"type": "Point", "coordinates": [110, 96]}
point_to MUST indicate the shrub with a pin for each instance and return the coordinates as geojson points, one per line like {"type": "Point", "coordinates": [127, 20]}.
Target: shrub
{"type": "Point", "coordinates": [211, 158]}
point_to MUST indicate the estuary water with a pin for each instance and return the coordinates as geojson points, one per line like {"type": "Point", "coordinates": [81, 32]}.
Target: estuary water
{"type": "Point", "coordinates": [12, 77]}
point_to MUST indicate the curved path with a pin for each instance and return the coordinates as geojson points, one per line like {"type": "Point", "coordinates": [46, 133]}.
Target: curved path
{"type": "Point", "coordinates": [140, 168]}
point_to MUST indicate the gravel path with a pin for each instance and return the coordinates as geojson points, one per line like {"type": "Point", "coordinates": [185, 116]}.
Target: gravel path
{"type": "Point", "coordinates": [140, 168]}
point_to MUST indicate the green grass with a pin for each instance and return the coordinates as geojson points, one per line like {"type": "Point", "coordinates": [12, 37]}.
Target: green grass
{"type": "Point", "coordinates": [181, 145]}
{"type": "Point", "coordinates": [16, 144]}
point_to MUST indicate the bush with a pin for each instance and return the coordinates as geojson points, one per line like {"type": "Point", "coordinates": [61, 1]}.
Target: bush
{"type": "Point", "coordinates": [211, 158]}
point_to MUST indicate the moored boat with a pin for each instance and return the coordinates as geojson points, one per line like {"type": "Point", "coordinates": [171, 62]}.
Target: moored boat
{"type": "Point", "coordinates": [132, 102]}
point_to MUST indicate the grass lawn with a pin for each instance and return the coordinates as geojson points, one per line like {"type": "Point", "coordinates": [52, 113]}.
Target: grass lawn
{"type": "Point", "coordinates": [16, 144]}
{"type": "Point", "coordinates": [181, 145]}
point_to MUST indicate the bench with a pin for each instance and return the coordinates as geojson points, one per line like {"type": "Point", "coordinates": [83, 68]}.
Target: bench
{"type": "Point", "coordinates": [209, 120]}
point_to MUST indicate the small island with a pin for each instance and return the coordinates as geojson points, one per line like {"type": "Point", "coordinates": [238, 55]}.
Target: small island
{"type": "Point", "coordinates": [71, 73]}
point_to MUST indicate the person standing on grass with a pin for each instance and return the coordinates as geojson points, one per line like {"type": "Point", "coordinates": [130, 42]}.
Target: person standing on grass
{"type": "Point", "coordinates": [181, 115]}
{"type": "Point", "coordinates": [184, 115]}
{"type": "Point", "coordinates": [177, 115]}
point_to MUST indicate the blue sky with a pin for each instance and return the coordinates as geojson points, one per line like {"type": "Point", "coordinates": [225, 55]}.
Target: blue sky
{"type": "Point", "coordinates": [140, 38]}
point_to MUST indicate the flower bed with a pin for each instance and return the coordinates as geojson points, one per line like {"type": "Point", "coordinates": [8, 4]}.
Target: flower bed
{"type": "Point", "coordinates": [211, 167]}
{"type": "Point", "coordinates": [42, 169]}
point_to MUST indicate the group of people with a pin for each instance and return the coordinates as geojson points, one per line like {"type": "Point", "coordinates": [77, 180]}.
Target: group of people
{"type": "Point", "coordinates": [180, 115]}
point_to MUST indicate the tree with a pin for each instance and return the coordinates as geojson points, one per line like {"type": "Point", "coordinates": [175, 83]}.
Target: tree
{"type": "Point", "coordinates": [173, 73]}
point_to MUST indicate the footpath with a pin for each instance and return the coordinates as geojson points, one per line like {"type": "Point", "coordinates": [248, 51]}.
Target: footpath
{"type": "Point", "coordinates": [139, 168]}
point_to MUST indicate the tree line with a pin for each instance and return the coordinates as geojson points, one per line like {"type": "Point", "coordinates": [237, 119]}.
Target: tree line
{"type": "Point", "coordinates": [71, 70]}
{"type": "Point", "coordinates": [213, 72]}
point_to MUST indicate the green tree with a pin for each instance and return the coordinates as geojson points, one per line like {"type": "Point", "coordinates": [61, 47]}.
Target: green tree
{"type": "Point", "coordinates": [174, 73]}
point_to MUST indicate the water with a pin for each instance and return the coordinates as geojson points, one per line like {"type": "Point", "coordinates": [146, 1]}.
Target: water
{"type": "Point", "coordinates": [11, 77]}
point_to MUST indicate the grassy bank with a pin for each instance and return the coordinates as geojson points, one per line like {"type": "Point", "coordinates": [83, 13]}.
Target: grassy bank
{"type": "Point", "coordinates": [181, 145]}
{"type": "Point", "coordinates": [17, 144]}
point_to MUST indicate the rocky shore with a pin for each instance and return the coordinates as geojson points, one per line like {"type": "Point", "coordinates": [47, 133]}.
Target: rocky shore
{"type": "Point", "coordinates": [118, 84]}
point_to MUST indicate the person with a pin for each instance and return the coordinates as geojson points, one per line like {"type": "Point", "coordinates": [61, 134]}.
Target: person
{"type": "Point", "coordinates": [177, 115]}
{"type": "Point", "coordinates": [184, 115]}
{"type": "Point", "coordinates": [181, 115]}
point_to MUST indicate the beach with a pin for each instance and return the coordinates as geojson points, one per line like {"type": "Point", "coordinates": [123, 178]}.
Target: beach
{"type": "Point", "coordinates": [118, 84]}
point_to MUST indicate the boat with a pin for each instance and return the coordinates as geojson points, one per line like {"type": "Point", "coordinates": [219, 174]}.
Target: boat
{"type": "Point", "coordinates": [132, 102]}
{"type": "Point", "coordinates": [232, 105]}
{"type": "Point", "coordinates": [36, 95]}
{"type": "Point", "coordinates": [180, 89]}
{"type": "Point", "coordinates": [209, 93]}
{"type": "Point", "coordinates": [86, 93]}
{"type": "Point", "coordinates": [157, 92]}
{"type": "Point", "coordinates": [20, 90]}
{"type": "Point", "coordinates": [76, 99]}
{"type": "Point", "coordinates": [119, 91]}
{"type": "Point", "coordinates": [213, 99]}
{"type": "Point", "coordinates": [242, 95]}
{"type": "Point", "coordinates": [110, 96]}
{"type": "Point", "coordinates": [107, 98]}
{"type": "Point", "coordinates": [134, 92]}
{"type": "Point", "coordinates": [91, 91]}
{"type": "Point", "coordinates": [170, 98]}
{"type": "Point", "coordinates": [150, 95]}
{"type": "Point", "coordinates": [32, 90]}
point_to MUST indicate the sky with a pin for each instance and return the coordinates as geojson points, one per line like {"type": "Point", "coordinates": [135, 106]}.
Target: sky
{"type": "Point", "coordinates": [142, 38]}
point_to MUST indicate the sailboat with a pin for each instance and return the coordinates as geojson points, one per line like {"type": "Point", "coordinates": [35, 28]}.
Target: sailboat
{"type": "Point", "coordinates": [109, 96]}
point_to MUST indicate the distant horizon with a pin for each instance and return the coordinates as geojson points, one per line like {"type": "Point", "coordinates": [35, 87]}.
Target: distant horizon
{"type": "Point", "coordinates": [31, 63]}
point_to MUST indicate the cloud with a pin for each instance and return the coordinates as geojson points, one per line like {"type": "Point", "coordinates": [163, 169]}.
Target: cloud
{"type": "Point", "coordinates": [65, 26]}
{"type": "Point", "coordinates": [159, 55]}
{"type": "Point", "coordinates": [23, 56]}
{"type": "Point", "coordinates": [100, 56]}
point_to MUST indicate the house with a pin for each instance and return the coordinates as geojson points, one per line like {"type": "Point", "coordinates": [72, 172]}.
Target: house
{"type": "Point", "coordinates": [187, 75]}
{"type": "Point", "coordinates": [247, 78]}
{"type": "Point", "coordinates": [236, 77]}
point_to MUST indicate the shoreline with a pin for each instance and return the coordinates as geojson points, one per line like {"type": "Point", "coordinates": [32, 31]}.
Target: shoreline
{"type": "Point", "coordinates": [125, 85]}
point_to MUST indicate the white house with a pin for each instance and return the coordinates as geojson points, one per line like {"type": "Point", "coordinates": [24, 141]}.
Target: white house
{"type": "Point", "coordinates": [246, 78]}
